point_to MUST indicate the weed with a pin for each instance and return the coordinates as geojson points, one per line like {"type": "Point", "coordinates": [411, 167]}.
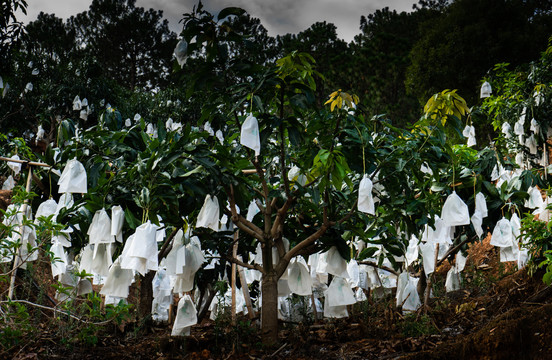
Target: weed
{"type": "Point", "coordinates": [414, 325]}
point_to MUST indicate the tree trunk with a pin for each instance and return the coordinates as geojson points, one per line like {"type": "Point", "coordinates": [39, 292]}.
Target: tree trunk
{"type": "Point", "coordinates": [146, 294]}
{"type": "Point", "coordinates": [269, 309]}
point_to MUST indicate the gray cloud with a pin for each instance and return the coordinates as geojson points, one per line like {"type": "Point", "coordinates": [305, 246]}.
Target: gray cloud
{"type": "Point", "coordinates": [278, 16]}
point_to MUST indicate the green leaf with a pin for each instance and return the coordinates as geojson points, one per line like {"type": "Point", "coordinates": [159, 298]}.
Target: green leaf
{"type": "Point", "coordinates": [144, 197]}
{"type": "Point", "coordinates": [367, 253]}
{"type": "Point", "coordinates": [132, 221]}
{"type": "Point", "coordinates": [294, 136]}
{"type": "Point", "coordinates": [179, 172]}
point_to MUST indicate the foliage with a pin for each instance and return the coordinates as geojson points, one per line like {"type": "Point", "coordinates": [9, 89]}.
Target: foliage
{"type": "Point", "coordinates": [79, 318]}
{"type": "Point", "coordinates": [16, 325]}
{"type": "Point", "coordinates": [414, 325]}
{"type": "Point", "coordinates": [484, 33]}
{"type": "Point", "coordinates": [132, 45]}
{"type": "Point", "coordinates": [159, 154]}
{"type": "Point", "coordinates": [10, 29]}
{"type": "Point", "coordinates": [378, 61]}
{"type": "Point", "coordinates": [330, 53]}
{"type": "Point", "coordinates": [518, 101]}
{"type": "Point", "coordinates": [101, 55]}
{"type": "Point", "coordinates": [547, 264]}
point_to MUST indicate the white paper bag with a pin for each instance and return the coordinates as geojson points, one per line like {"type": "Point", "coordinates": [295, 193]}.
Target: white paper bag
{"type": "Point", "coordinates": [340, 293]}
{"type": "Point", "coordinates": [117, 222]}
{"type": "Point", "coordinates": [510, 253]}
{"type": "Point", "coordinates": [523, 257]}
{"type": "Point", "coordinates": [99, 230]}
{"type": "Point", "coordinates": [518, 127]}
{"type": "Point", "coordinates": [506, 128]}
{"type": "Point", "coordinates": [15, 166]}
{"type": "Point", "coordinates": [460, 262]}
{"type": "Point", "coordinates": [411, 299]}
{"type": "Point", "coordinates": [486, 90]}
{"type": "Point", "coordinates": [9, 184]}
{"type": "Point", "coordinates": [181, 52]}
{"type": "Point", "coordinates": [412, 250]}
{"type": "Point", "coordinates": [502, 234]}
{"type": "Point", "coordinates": [354, 273]}
{"type": "Point", "coordinates": [365, 199]}
{"type": "Point", "coordinates": [452, 282]}
{"type": "Point", "coordinates": [144, 244]}
{"type": "Point", "coordinates": [186, 316]}
{"type": "Point", "coordinates": [73, 178]}
{"type": "Point", "coordinates": [209, 214]}
{"type": "Point", "coordinates": [335, 311]}
{"type": "Point", "coordinates": [252, 210]}
{"type": "Point", "coordinates": [118, 281]}
{"type": "Point", "coordinates": [250, 134]}
{"type": "Point", "coordinates": [535, 127]}
{"type": "Point", "coordinates": [335, 264]}
{"type": "Point", "coordinates": [515, 222]}
{"type": "Point", "coordinates": [46, 209]}
{"type": "Point", "coordinates": [535, 198]}
{"type": "Point", "coordinates": [299, 279]}
{"type": "Point", "coordinates": [440, 234]}
{"type": "Point", "coordinates": [140, 250]}
{"type": "Point", "coordinates": [477, 221]}
{"type": "Point", "coordinates": [59, 261]}
{"type": "Point", "coordinates": [428, 256]}
{"type": "Point", "coordinates": [455, 211]}
{"type": "Point", "coordinates": [402, 280]}
{"type": "Point", "coordinates": [469, 133]}
{"type": "Point", "coordinates": [481, 204]}
{"type": "Point", "coordinates": [531, 143]}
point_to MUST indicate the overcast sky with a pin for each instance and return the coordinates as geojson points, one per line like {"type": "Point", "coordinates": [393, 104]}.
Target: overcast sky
{"type": "Point", "coordinates": [278, 16]}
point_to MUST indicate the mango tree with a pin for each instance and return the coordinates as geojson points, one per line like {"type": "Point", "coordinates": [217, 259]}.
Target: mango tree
{"type": "Point", "coordinates": [303, 173]}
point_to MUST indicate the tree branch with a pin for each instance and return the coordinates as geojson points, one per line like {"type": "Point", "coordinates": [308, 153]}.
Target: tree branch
{"type": "Point", "coordinates": [281, 216]}
{"type": "Point", "coordinates": [240, 221]}
{"type": "Point", "coordinates": [246, 229]}
{"type": "Point", "coordinates": [297, 248]}
{"type": "Point", "coordinates": [260, 205]}
{"type": "Point", "coordinates": [55, 310]}
{"type": "Point", "coordinates": [373, 264]}
{"type": "Point", "coordinates": [166, 247]}
{"type": "Point", "coordinates": [268, 211]}
{"type": "Point", "coordinates": [453, 251]}
{"type": "Point", "coordinates": [283, 163]}
{"type": "Point", "coordinates": [282, 146]}
{"type": "Point", "coordinates": [245, 265]}
{"type": "Point", "coordinates": [348, 216]}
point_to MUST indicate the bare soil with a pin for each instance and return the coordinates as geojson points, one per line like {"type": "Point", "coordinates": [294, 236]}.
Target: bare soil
{"type": "Point", "coordinates": [501, 313]}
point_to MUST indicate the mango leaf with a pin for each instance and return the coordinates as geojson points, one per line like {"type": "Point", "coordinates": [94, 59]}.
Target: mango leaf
{"type": "Point", "coordinates": [294, 136]}
{"type": "Point", "coordinates": [179, 172]}
{"type": "Point", "coordinates": [132, 221]}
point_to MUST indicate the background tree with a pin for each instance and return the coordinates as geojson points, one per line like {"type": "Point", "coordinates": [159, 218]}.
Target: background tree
{"type": "Point", "coordinates": [10, 29]}
{"type": "Point", "coordinates": [331, 53]}
{"type": "Point", "coordinates": [381, 57]}
{"type": "Point", "coordinates": [469, 38]}
{"type": "Point", "coordinates": [52, 71]}
{"type": "Point", "coordinates": [132, 45]}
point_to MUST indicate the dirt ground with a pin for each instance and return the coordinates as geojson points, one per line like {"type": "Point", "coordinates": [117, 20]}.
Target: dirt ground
{"type": "Point", "coordinates": [501, 313]}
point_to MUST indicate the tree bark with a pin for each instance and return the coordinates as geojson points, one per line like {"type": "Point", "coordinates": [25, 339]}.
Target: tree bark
{"type": "Point", "coordinates": [269, 309]}
{"type": "Point", "coordinates": [146, 294]}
